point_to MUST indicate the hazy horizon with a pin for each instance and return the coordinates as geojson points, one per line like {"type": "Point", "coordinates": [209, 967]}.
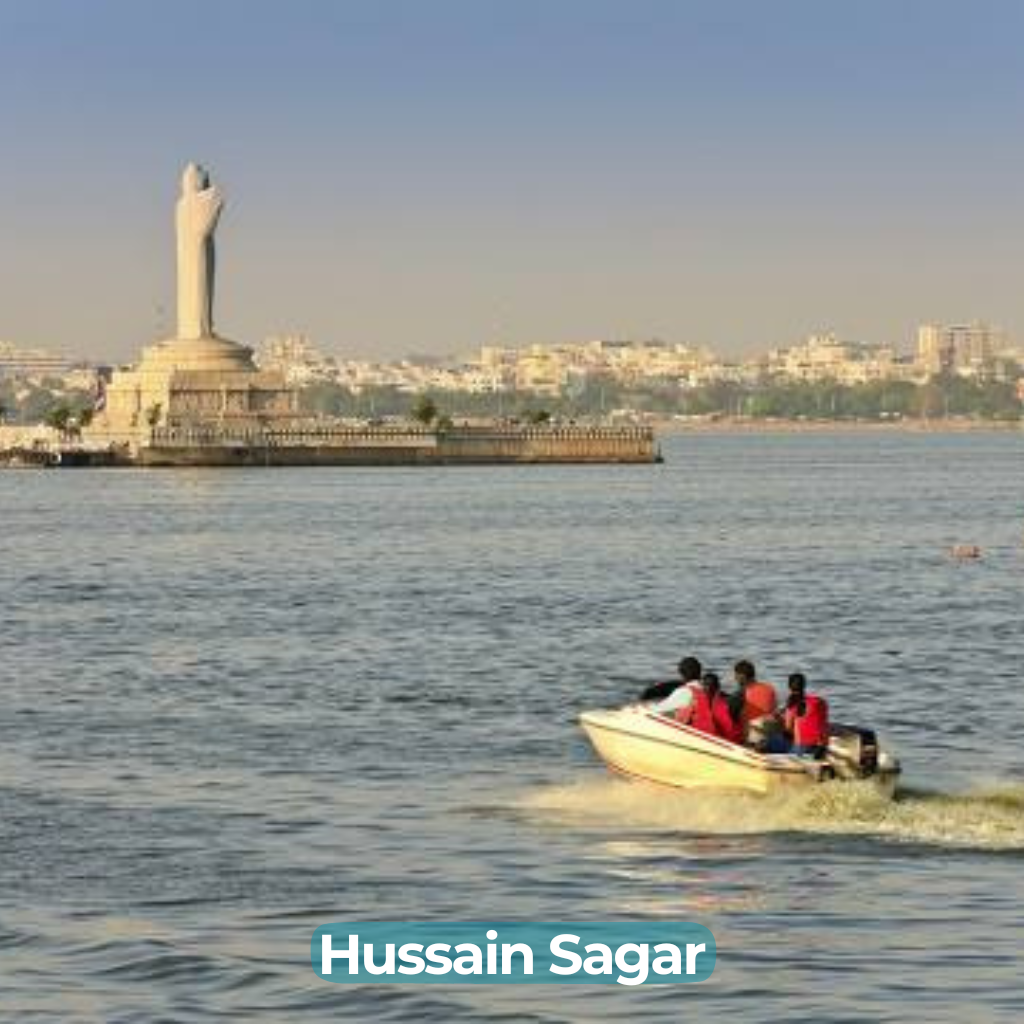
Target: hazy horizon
{"type": "Point", "coordinates": [407, 177]}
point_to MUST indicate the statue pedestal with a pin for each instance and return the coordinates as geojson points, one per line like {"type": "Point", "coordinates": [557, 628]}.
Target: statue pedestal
{"type": "Point", "coordinates": [191, 382]}
{"type": "Point", "coordinates": [211, 353]}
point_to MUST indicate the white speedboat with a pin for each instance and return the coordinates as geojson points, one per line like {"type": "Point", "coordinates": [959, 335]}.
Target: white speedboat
{"type": "Point", "coordinates": [643, 744]}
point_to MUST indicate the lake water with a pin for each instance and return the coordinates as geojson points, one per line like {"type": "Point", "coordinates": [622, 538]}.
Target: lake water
{"type": "Point", "coordinates": [239, 705]}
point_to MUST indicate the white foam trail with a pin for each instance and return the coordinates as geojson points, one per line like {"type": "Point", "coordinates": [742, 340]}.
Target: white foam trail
{"type": "Point", "coordinates": [986, 817]}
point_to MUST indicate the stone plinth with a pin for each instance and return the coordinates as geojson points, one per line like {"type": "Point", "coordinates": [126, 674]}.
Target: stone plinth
{"type": "Point", "coordinates": [191, 382]}
{"type": "Point", "coordinates": [209, 353]}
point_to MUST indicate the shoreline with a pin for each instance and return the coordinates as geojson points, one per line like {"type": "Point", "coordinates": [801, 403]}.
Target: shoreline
{"type": "Point", "coordinates": [742, 425]}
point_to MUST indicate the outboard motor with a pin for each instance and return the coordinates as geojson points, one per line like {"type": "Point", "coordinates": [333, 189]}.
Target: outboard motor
{"type": "Point", "coordinates": [852, 752]}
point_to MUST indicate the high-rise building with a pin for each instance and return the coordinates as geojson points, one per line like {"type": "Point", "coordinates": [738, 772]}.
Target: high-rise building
{"type": "Point", "coordinates": [933, 352]}
{"type": "Point", "coordinates": [966, 349]}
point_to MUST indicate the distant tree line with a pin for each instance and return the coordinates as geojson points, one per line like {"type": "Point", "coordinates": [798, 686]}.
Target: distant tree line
{"type": "Point", "coordinates": [433, 407]}
{"type": "Point", "coordinates": [942, 396]}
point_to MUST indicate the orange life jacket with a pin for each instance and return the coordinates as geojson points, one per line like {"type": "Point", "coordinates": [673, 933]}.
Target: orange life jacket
{"type": "Point", "coordinates": [758, 700]}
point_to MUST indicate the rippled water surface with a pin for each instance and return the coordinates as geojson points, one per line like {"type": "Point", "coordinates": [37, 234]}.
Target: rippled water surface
{"type": "Point", "coordinates": [238, 705]}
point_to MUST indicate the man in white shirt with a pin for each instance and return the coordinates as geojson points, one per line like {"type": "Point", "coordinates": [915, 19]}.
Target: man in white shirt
{"type": "Point", "coordinates": [672, 696]}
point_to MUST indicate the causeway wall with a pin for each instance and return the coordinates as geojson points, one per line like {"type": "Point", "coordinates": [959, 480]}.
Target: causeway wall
{"type": "Point", "coordinates": [396, 446]}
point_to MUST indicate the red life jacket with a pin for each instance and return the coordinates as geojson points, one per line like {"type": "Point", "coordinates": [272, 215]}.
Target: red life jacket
{"type": "Point", "coordinates": [713, 717]}
{"type": "Point", "coordinates": [698, 715]}
{"type": "Point", "coordinates": [811, 728]}
{"type": "Point", "coordinates": [728, 727]}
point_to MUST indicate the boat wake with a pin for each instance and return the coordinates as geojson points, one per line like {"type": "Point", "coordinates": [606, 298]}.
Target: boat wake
{"type": "Point", "coordinates": [988, 817]}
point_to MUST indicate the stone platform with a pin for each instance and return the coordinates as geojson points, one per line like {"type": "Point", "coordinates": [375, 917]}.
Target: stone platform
{"type": "Point", "coordinates": [184, 381]}
{"type": "Point", "coordinates": [330, 445]}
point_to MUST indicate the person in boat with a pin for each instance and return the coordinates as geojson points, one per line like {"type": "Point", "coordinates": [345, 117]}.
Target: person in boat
{"type": "Point", "coordinates": [674, 694]}
{"type": "Point", "coordinates": [759, 712]}
{"type": "Point", "coordinates": [759, 698]}
{"type": "Point", "coordinates": [712, 711]}
{"type": "Point", "coordinates": [806, 719]}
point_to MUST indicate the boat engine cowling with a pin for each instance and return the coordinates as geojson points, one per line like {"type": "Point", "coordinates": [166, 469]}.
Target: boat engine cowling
{"type": "Point", "coordinates": [852, 752]}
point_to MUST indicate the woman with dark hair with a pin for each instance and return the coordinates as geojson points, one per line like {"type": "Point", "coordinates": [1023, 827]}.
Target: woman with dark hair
{"type": "Point", "coordinates": [806, 719]}
{"type": "Point", "coordinates": [713, 712]}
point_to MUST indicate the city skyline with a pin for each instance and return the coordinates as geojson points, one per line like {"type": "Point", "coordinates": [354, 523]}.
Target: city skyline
{"type": "Point", "coordinates": [1002, 344]}
{"type": "Point", "coordinates": [404, 179]}
{"type": "Point", "coordinates": [979, 351]}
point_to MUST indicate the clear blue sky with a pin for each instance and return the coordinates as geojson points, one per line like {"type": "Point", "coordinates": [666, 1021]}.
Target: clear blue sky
{"type": "Point", "coordinates": [430, 175]}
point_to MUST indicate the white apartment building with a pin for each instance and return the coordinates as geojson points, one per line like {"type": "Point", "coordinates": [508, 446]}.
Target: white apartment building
{"type": "Point", "coordinates": [296, 357]}
{"type": "Point", "coordinates": [541, 370]}
{"type": "Point", "coordinates": [823, 357]}
{"type": "Point", "coordinates": [31, 364]}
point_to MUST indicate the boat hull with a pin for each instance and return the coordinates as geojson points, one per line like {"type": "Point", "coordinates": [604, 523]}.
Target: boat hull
{"type": "Point", "coordinates": [642, 744]}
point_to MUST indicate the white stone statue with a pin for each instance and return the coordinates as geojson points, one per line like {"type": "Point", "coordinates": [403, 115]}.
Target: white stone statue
{"type": "Point", "coordinates": [197, 213]}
